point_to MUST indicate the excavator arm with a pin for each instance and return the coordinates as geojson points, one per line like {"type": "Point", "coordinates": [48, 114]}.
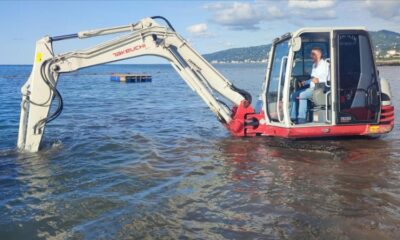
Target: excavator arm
{"type": "Point", "coordinates": [145, 37]}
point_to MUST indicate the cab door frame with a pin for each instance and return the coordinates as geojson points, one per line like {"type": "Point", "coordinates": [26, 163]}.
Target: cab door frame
{"type": "Point", "coordinates": [333, 84]}
{"type": "Point", "coordinates": [283, 122]}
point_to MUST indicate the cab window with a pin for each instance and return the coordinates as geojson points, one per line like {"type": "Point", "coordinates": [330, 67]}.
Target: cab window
{"type": "Point", "coordinates": [358, 89]}
{"type": "Point", "coordinates": [277, 79]}
{"type": "Point", "coordinates": [302, 63]}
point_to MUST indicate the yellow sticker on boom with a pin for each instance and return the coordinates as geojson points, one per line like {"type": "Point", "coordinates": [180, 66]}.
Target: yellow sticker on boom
{"type": "Point", "coordinates": [39, 56]}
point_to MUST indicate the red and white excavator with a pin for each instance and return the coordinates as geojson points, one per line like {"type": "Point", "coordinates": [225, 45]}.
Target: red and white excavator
{"type": "Point", "coordinates": [354, 101]}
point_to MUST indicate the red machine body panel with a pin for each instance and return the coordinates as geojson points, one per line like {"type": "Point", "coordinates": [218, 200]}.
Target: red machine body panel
{"type": "Point", "coordinates": [248, 123]}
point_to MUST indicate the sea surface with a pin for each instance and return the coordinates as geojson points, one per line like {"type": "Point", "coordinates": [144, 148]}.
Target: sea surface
{"type": "Point", "coordinates": [150, 161]}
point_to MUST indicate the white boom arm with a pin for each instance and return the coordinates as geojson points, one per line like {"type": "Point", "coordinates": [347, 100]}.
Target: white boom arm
{"type": "Point", "coordinates": [146, 37]}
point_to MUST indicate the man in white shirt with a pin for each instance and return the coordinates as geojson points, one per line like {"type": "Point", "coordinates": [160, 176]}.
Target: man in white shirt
{"type": "Point", "coordinates": [319, 74]}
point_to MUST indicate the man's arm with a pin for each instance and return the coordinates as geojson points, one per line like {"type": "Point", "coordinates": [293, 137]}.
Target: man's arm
{"type": "Point", "coordinates": [322, 74]}
{"type": "Point", "coordinates": [312, 79]}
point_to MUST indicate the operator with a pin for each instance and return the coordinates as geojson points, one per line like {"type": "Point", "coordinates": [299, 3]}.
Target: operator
{"type": "Point", "coordinates": [319, 74]}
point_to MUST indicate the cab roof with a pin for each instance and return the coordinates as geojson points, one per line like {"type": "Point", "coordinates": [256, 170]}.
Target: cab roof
{"type": "Point", "coordinates": [319, 29]}
{"type": "Point", "coordinates": [326, 29]}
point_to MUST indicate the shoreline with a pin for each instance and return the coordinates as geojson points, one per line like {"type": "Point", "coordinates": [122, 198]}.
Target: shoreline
{"type": "Point", "coordinates": [395, 62]}
{"type": "Point", "coordinates": [378, 63]}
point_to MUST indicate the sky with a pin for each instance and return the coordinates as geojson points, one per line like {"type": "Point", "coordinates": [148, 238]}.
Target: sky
{"type": "Point", "coordinates": [209, 26]}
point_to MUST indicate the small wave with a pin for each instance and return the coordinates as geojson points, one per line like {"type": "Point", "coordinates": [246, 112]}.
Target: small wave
{"type": "Point", "coordinates": [8, 152]}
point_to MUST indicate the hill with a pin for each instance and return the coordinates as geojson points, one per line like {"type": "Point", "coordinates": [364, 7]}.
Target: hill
{"type": "Point", "coordinates": [383, 42]}
{"type": "Point", "coordinates": [244, 54]}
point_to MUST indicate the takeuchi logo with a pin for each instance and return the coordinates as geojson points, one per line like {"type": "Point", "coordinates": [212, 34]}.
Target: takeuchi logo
{"type": "Point", "coordinates": [129, 50]}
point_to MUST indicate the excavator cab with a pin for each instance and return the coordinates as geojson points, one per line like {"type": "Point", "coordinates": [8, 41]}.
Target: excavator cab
{"type": "Point", "coordinates": [351, 95]}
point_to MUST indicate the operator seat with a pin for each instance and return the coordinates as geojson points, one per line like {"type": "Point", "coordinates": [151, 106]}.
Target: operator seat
{"type": "Point", "coordinates": [320, 100]}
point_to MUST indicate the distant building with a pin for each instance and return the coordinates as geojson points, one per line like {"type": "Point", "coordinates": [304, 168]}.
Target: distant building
{"type": "Point", "coordinates": [392, 53]}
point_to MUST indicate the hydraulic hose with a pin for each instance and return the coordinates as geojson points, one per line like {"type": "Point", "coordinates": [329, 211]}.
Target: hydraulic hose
{"type": "Point", "coordinates": [56, 94]}
{"type": "Point", "coordinates": [242, 92]}
{"type": "Point", "coordinates": [165, 20]}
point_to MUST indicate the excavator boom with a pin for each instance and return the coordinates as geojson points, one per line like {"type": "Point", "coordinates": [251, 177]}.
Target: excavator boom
{"type": "Point", "coordinates": [145, 37]}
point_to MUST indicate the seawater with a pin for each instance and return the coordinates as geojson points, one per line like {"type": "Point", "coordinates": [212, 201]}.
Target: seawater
{"type": "Point", "coordinates": [150, 161]}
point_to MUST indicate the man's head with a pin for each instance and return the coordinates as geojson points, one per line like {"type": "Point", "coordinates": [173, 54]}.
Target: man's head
{"type": "Point", "coordinates": [316, 54]}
